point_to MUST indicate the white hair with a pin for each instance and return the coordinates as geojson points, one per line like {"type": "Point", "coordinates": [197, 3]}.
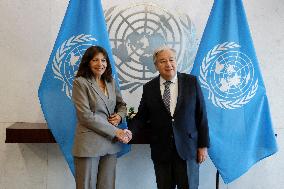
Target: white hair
{"type": "Point", "coordinates": [161, 49]}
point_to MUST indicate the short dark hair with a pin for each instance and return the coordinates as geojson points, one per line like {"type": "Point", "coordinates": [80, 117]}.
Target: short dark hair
{"type": "Point", "coordinates": [84, 66]}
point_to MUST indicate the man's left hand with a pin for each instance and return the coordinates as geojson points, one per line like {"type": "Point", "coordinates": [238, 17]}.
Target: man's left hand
{"type": "Point", "coordinates": [201, 155]}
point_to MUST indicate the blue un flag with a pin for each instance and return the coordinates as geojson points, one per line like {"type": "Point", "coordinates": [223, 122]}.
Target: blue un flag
{"type": "Point", "coordinates": [240, 126]}
{"type": "Point", "coordinates": [83, 25]}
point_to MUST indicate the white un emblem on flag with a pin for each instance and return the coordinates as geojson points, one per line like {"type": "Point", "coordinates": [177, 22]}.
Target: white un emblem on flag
{"type": "Point", "coordinates": [67, 58]}
{"type": "Point", "coordinates": [229, 76]}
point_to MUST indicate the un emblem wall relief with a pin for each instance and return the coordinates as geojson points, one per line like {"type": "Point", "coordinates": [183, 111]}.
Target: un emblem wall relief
{"type": "Point", "coordinates": [136, 30]}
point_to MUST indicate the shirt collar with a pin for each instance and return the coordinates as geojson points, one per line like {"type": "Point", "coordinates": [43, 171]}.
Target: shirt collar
{"type": "Point", "coordinates": [162, 80]}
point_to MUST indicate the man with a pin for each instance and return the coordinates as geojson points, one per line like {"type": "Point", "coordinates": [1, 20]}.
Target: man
{"type": "Point", "coordinates": [172, 106]}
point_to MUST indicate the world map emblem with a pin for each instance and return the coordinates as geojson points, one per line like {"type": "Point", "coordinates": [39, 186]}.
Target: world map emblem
{"type": "Point", "coordinates": [135, 31]}
{"type": "Point", "coordinates": [65, 62]}
{"type": "Point", "coordinates": [229, 76]}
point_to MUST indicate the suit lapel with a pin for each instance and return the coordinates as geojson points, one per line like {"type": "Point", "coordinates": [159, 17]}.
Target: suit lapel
{"type": "Point", "coordinates": [180, 92]}
{"type": "Point", "coordinates": [110, 91]}
{"type": "Point", "coordinates": [100, 93]}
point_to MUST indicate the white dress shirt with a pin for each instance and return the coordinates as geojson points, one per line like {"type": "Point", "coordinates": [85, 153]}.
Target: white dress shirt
{"type": "Point", "coordinates": [174, 92]}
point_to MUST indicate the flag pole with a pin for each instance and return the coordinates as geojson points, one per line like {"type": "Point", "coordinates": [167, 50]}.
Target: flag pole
{"type": "Point", "coordinates": [217, 179]}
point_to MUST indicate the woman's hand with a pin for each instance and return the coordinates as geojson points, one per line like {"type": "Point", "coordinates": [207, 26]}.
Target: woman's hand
{"type": "Point", "coordinates": [114, 119]}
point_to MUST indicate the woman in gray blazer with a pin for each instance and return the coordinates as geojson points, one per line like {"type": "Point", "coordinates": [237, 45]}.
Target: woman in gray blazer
{"type": "Point", "coordinates": [99, 108]}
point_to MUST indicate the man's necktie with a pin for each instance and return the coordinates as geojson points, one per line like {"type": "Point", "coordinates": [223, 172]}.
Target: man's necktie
{"type": "Point", "coordinates": [167, 95]}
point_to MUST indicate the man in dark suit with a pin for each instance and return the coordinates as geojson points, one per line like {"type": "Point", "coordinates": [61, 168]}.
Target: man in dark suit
{"type": "Point", "coordinates": [173, 108]}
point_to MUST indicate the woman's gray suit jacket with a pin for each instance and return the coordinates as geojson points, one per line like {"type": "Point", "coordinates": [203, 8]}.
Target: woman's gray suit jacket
{"type": "Point", "coordinates": [94, 134]}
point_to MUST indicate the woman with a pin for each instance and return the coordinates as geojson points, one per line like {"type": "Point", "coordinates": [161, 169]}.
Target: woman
{"type": "Point", "coordinates": [99, 108]}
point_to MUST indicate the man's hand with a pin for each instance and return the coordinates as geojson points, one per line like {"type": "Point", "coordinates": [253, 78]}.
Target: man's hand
{"type": "Point", "coordinates": [114, 119]}
{"type": "Point", "coordinates": [128, 133]}
{"type": "Point", "coordinates": [123, 135]}
{"type": "Point", "coordinates": [201, 155]}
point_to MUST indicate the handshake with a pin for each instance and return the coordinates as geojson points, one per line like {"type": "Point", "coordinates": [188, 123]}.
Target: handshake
{"type": "Point", "coordinates": [124, 135]}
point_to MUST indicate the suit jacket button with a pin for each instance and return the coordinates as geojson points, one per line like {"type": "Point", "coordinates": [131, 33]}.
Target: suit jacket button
{"type": "Point", "coordinates": [173, 120]}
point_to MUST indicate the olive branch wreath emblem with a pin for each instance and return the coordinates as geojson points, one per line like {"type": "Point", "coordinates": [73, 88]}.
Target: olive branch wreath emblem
{"type": "Point", "coordinates": [204, 70]}
{"type": "Point", "coordinates": [59, 56]}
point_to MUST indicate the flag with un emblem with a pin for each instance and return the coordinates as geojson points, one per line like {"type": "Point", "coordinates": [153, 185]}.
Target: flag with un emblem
{"type": "Point", "coordinates": [83, 26]}
{"type": "Point", "coordinates": [241, 132]}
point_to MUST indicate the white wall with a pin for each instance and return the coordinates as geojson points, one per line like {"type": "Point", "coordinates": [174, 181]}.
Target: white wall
{"type": "Point", "coordinates": [28, 30]}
